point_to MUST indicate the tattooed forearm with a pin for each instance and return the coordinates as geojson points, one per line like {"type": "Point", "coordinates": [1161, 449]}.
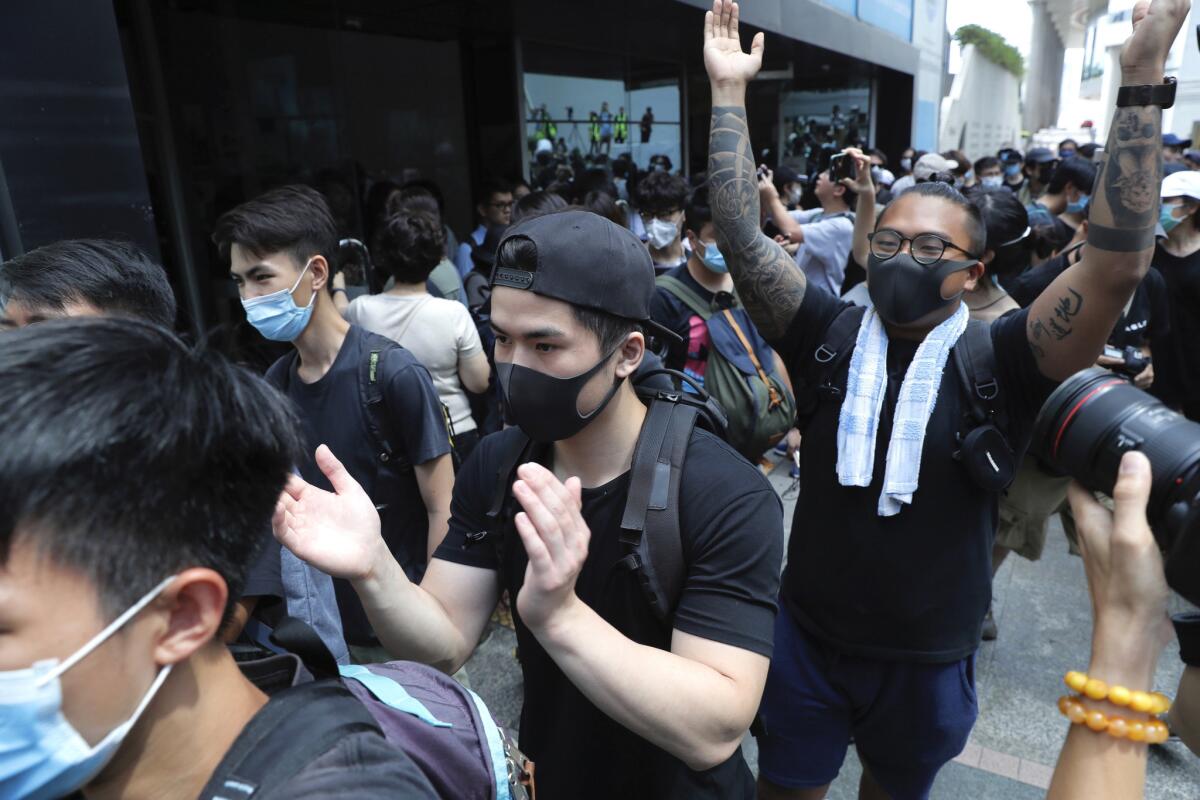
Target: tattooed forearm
{"type": "Point", "coordinates": [1125, 201]}
{"type": "Point", "coordinates": [767, 279]}
{"type": "Point", "coordinates": [1056, 327]}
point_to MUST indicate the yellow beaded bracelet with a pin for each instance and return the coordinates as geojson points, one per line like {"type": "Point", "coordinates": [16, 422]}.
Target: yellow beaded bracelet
{"type": "Point", "coordinates": [1151, 732]}
{"type": "Point", "coordinates": [1142, 702]}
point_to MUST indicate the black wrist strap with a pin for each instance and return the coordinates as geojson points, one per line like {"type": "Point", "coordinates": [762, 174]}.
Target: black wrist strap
{"type": "Point", "coordinates": [1150, 94]}
{"type": "Point", "coordinates": [1187, 628]}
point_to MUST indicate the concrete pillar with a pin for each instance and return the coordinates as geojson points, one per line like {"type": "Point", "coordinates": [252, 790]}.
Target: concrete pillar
{"type": "Point", "coordinates": [1044, 72]}
{"type": "Point", "coordinates": [1183, 118]}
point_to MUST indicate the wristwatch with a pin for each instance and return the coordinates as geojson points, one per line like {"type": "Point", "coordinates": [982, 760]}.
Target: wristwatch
{"type": "Point", "coordinates": [1150, 94]}
{"type": "Point", "coordinates": [337, 289]}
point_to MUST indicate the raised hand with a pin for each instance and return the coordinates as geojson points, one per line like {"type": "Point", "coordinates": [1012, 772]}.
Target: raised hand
{"type": "Point", "coordinates": [555, 538]}
{"type": "Point", "coordinates": [337, 532]}
{"type": "Point", "coordinates": [726, 62]}
{"type": "Point", "coordinates": [1155, 26]}
{"type": "Point", "coordinates": [1124, 572]}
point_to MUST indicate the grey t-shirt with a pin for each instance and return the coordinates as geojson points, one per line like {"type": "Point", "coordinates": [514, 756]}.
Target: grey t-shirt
{"type": "Point", "coordinates": [827, 241]}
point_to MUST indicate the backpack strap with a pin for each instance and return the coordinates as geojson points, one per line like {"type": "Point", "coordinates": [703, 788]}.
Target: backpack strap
{"type": "Point", "coordinates": [650, 524]}
{"type": "Point", "coordinates": [975, 363]}
{"type": "Point", "coordinates": [292, 731]}
{"type": "Point", "coordinates": [776, 399]}
{"type": "Point", "coordinates": [371, 381]}
{"type": "Point", "coordinates": [685, 295]}
{"type": "Point", "coordinates": [837, 346]}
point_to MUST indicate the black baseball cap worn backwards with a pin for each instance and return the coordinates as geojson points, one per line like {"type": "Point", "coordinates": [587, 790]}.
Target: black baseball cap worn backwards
{"type": "Point", "coordinates": [588, 261]}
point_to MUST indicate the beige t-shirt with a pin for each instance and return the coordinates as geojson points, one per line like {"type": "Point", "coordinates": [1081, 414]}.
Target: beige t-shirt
{"type": "Point", "coordinates": [440, 333]}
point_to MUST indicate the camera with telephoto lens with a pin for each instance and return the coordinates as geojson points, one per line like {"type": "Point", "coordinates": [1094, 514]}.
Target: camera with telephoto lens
{"type": "Point", "coordinates": [1089, 423]}
{"type": "Point", "coordinates": [1133, 360]}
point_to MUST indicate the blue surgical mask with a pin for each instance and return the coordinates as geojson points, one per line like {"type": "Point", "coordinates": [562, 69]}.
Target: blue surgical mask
{"type": "Point", "coordinates": [1079, 205]}
{"type": "Point", "coordinates": [42, 756]}
{"type": "Point", "coordinates": [1168, 220]}
{"type": "Point", "coordinates": [992, 181]}
{"type": "Point", "coordinates": [276, 315]}
{"type": "Point", "coordinates": [1012, 170]}
{"type": "Point", "coordinates": [714, 259]}
{"type": "Point", "coordinates": [906, 164]}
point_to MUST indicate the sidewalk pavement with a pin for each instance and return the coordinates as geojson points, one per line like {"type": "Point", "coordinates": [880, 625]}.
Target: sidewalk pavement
{"type": "Point", "coordinates": [1044, 616]}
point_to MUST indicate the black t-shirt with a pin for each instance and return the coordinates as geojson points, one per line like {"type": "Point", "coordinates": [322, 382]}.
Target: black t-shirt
{"type": "Point", "coordinates": [1177, 357]}
{"type": "Point", "coordinates": [915, 586]}
{"type": "Point", "coordinates": [732, 532]}
{"type": "Point", "coordinates": [1148, 317]}
{"type": "Point", "coordinates": [332, 412]}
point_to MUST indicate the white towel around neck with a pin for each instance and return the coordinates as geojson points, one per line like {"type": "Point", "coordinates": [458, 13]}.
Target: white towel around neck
{"type": "Point", "coordinates": [866, 387]}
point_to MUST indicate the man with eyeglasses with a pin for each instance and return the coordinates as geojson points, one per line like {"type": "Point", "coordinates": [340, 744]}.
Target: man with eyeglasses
{"type": "Point", "coordinates": [888, 570]}
{"type": "Point", "coordinates": [493, 206]}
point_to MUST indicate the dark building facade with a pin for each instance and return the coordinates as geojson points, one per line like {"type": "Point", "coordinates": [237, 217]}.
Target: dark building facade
{"type": "Point", "coordinates": [146, 119]}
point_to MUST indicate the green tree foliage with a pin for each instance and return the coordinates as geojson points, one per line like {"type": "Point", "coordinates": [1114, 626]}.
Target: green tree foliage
{"type": "Point", "coordinates": [993, 47]}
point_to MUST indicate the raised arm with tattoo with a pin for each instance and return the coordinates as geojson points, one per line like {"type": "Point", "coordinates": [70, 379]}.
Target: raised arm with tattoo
{"type": "Point", "coordinates": [770, 284]}
{"type": "Point", "coordinates": [1071, 320]}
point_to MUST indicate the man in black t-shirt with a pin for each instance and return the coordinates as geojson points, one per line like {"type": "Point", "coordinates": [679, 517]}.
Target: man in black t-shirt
{"type": "Point", "coordinates": [888, 570]}
{"type": "Point", "coordinates": [1178, 261]}
{"type": "Point", "coordinates": [137, 479]}
{"type": "Point", "coordinates": [280, 246]}
{"type": "Point", "coordinates": [617, 703]}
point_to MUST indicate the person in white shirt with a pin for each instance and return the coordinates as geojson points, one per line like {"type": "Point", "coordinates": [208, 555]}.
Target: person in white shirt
{"type": "Point", "coordinates": [440, 333]}
{"type": "Point", "coordinates": [823, 234]}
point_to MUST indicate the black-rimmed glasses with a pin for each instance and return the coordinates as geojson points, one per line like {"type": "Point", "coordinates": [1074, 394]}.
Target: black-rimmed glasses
{"type": "Point", "coordinates": [926, 248]}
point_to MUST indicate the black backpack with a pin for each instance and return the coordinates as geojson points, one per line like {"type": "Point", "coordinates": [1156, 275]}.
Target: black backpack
{"type": "Point", "coordinates": [983, 441]}
{"type": "Point", "coordinates": [650, 531]}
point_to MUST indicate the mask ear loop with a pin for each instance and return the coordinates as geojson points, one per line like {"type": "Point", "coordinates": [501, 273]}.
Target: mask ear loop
{"type": "Point", "coordinates": [611, 392]}
{"type": "Point", "coordinates": [103, 635]}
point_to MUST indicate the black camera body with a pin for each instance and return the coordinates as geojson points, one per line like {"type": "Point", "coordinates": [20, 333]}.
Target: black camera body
{"type": "Point", "coordinates": [1134, 361]}
{"type": "Point", "coordinates": [1091, 420]}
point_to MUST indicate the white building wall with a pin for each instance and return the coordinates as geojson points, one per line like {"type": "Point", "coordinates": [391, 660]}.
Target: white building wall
{"type": "Point", "coordinates": [983, 113]}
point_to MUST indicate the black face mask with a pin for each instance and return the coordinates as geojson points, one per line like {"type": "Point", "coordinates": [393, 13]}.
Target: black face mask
{"type": "Point", "coordinates": [544, 407]}
{"type": "Point", "coordinates": [903, 291]}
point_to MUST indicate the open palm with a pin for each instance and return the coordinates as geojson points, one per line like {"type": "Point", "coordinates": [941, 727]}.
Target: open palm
{"type": "Point", "coordinates": [1155, 26]}
{"type": "Point", "coordinates": [724, 58]}
{"type": "Point", "coordinates": [337, 532]}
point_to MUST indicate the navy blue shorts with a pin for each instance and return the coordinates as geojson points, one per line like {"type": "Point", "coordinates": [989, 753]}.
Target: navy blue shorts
{"type": "Point", "coordinates": [907, 719]}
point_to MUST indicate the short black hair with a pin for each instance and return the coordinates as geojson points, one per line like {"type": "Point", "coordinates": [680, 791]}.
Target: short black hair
{"type": "Point", "coordinates": [976, 230]}
{"type": "Point", "coordinates": [1008, 232]}
{"type": "Point", "coordinates": [600, 202]}
{"type": "Point", "coordinates": [882, 156]}
{"type": "Point", "coordinates": [489, 187]}
{"type": "Point", "coordinates": [535, 204]}
{"type": "Point", "coordinates": [115, 277]}
{"type": "Point", "coordinates": [661, 191]}
{"type": "Point", "coordinates": [1069, 141]}
{"type": "Point", "coordinates": [698, 212]}
{"type": "Point", "coordinates": [1079, 172]}
{"type": "Point", "coordinates": [987, 162]}
{"type": "Point", "coordinates": [519, 252]}
{"type": "Point", "coordinates": [409, 245]}
{"type": "Point", "coordinates": [293, 219]}
{"type": "Point", "coordinates": [130, 456]}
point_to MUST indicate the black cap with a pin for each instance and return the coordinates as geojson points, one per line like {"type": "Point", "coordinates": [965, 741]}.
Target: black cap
{"type": "Point", "coordinates": [588, 261]}
{"type": "Point", "coordinates": [1040, 155]}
